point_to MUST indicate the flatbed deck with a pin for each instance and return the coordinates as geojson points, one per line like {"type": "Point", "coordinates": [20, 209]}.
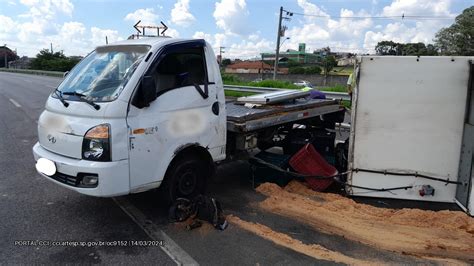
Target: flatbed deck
{"type": "Point", "coordinates": [241, 119]}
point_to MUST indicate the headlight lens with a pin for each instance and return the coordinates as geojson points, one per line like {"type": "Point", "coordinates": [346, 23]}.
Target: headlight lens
{"type": "Point", "coordinates": [96, 144]}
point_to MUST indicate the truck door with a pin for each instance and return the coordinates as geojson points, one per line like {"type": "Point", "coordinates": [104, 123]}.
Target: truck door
{"type": "Point", "coordinates": [185, 112]}
{"type": "Point", "coordinates": [464, 196]}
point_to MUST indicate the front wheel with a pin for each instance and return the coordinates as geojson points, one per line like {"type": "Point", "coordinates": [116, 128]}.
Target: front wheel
{"type": "Point", "coordinates": [186, 178]}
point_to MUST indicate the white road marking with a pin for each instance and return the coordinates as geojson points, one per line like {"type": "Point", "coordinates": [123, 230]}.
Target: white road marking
{"type": "Point", "coordinates": [15, 103]}
{"type": "Point", "coordinates": [175, 252]}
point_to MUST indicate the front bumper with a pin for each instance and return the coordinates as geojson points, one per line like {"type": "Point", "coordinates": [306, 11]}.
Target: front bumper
{"type": "Point", "coordinates": [113, 176]}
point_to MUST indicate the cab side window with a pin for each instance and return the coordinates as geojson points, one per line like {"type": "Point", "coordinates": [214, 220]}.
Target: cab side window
{"type": "Point", "coordinates": [179, 69]}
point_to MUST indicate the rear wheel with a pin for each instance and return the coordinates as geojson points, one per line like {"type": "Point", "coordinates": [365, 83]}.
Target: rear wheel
{"type": "Point", "coordinates": [186, 178]}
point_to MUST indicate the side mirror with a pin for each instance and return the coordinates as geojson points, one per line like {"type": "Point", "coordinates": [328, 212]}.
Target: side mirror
{"type": "Point", "coordinates": [65, 74]}
{"type": "Point", "coordinates": [147, 92]}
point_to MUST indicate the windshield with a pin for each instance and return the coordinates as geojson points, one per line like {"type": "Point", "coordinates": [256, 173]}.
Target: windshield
{"type": "Point", "coordinates": [102, 75]}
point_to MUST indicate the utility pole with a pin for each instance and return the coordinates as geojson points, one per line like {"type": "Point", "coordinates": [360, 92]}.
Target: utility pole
{"type": "Point", "coordinates": [106, 40]}
{"type": "Point", "coordinates": [51, 47]}
{"type": "Point", "coordinates": [5, 56]}
{"type": "Point", "coordinates": [277, 51]}
{"type": "Point", "coordinates": [221, 51]}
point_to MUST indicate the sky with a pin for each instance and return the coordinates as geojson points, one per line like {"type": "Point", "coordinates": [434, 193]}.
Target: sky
{"type": "Point", "coordinates": [244, 27]}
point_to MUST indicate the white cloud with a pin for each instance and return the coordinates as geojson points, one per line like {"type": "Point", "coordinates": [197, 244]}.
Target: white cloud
{"type": "Point", "coordinates": [71, 29]}
{"type": "Point", "coordinates": [8, 25]}
{"type": "Point", "coordinates": [220, 39]}
{"type": "Point", "coordinates": [361, 35]}
{"type": "Point", "coordinates": [422, 31]}
{"type": "Point", "coordinates": [311, 9]}
{"type": "Point", "coordinates": [172, 33]}
{"type": "Point", "coordinates": [248, 49]}
{"type": "Point", "coordinates": [418, 7]}
{"type": "Point", "coordinates": [231, 16]}
{"type": "Point", "coordinates": [147, 16]}
{"type": "Point", "coordinates": [98, 36]}
{"type": "Point", "coordinates": [217, 40]}
{"type": "Point", "coordinates": [317, 32]}
{"type": "Point", "coordinates": [409, 30]}
{"type": "Point", "coordinates": [180, 14]}
{"type": "Point", "coordinates": [202, 35]}
{"type": "Point", "coordinates": [47, 9]}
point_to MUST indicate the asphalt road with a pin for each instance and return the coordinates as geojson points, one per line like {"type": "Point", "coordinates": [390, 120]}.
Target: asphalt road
{"type": "Point", "coordinates": [33, 208]}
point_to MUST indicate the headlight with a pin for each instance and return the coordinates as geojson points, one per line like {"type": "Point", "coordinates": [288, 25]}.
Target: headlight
{"type": "Point", "coordinates": [96, 144]}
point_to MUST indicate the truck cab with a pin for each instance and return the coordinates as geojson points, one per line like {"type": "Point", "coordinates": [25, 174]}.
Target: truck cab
{"type": "Point", "coordinates": [133, 116]}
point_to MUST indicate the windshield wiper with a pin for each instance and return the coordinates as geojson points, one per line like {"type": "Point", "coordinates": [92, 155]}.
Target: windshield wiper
{"type": "Point", "coordinates": [83, 98]}
{"type": "Point", "coordinates": [60, 97]}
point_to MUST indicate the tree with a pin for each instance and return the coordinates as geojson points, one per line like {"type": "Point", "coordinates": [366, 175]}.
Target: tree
{"type": "Point", "coordinates": [393, 48]}
{"type": "Point", "coordinates": [45, 60]}
{"type": "Point", "coordinates": [226, 62]}
{"type": "Point", "coordinates": [387, 48]}
{"type": "Point", "coordinates": [292, 63]}
{"type": "Point", "coordinates": [296, 70]}
{"type": "Point", "coordinates": [312, 70]}
{"type": "Point", "coordinates": [458, 39]}
{"type": "Point", "coordinates": [328, 63]}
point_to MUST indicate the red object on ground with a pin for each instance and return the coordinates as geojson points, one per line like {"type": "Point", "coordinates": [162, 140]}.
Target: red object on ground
{"type": "Point", "coordinates": [309, 162]}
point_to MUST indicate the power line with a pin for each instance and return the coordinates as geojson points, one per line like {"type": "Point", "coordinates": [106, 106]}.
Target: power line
{"type": "Point", "coordinates": [403, 16]}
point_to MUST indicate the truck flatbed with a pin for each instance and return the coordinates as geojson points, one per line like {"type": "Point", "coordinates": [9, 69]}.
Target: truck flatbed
{"type": "Point", "coordinates": [241, 119]}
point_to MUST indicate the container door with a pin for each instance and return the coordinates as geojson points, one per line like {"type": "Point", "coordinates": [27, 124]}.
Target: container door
{"type": "Point", "coordinates": [464, 192]}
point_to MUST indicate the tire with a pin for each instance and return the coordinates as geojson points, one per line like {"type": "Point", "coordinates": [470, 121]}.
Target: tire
{"type": "Point", "coordinates": [186, 178]}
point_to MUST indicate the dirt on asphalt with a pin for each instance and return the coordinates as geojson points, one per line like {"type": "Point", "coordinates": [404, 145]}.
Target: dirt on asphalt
{"type": "Point", "coordinates": [422, 233]}
{"type": "Point", "coordinates": [313, 250]}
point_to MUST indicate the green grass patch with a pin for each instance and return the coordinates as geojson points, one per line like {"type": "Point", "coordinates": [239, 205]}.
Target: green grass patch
{"type": "Point", "coordinates": [346, 104]}
{"type": "Point", "coordinates": [34, 72]}
{"type": "Point", "coordinates": [345, 71]}
{"type": "Point", "coordinates": [229, 93]}
{"type": "Point", "coordinates": [337, 88]}
{"type": "Point", "coordinates": [229, 79]}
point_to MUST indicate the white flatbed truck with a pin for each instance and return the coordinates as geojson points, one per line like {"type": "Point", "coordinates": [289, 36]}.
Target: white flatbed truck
{"type": "Point", "coordinates": [151, 112]}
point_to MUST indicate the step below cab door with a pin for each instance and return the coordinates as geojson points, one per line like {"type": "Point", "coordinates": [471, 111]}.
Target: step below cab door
{"type": "Point", "coordinates": [187, 111]}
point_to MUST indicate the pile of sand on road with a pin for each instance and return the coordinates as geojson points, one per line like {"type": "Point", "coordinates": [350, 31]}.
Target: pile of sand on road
{"type": "Point", "coordinates": [443, 234]}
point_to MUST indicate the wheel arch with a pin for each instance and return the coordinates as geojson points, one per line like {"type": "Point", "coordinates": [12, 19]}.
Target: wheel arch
{"type": "Point", "coordinates": [194, 149]}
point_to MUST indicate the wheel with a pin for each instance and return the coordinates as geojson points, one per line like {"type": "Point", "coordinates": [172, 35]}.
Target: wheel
{"type": "Point", "coordinates": [186, 178]}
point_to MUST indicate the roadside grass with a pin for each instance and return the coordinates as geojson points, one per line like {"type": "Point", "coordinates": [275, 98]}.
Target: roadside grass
{"type": "Point", "coordinates": [346, 104]}
{"type": "Point", "coordinates": [229, 93]}
{"type": "Point", "coordinates": [230, 79]}
{"type": "Point", "coordinates": [34, 72]}
{"type": "Point", "coordinates": [344, 71]}
{"type": "Point", "coordinates": [264, 83]}
{"type": "Point", "coordinates": [337, 88]}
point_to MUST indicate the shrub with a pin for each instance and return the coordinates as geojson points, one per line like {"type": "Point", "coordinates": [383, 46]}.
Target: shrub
{"type": "Point", "coordinates": [313, 70]}
{"type": "Point", "coordinates": [230, 79]}
{"type": "Point", "coordinates": [296, 70]}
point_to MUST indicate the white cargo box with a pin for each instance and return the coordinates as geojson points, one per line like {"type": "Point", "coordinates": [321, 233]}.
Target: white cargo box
{"type": "Point", "coordinates": [413, 116]}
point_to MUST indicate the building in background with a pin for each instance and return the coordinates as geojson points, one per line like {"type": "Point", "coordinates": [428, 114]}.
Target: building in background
{"type": "Point", "coordinates": [345, 61]}
{"type": "Point", "coordinates": [253, 67]}
{"type": "Point", "coordinates": [6, 55]}
{"type": "Point", "coordinates": [21, 63]}
{"type": "Point", "coordinates": [297, 56]}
